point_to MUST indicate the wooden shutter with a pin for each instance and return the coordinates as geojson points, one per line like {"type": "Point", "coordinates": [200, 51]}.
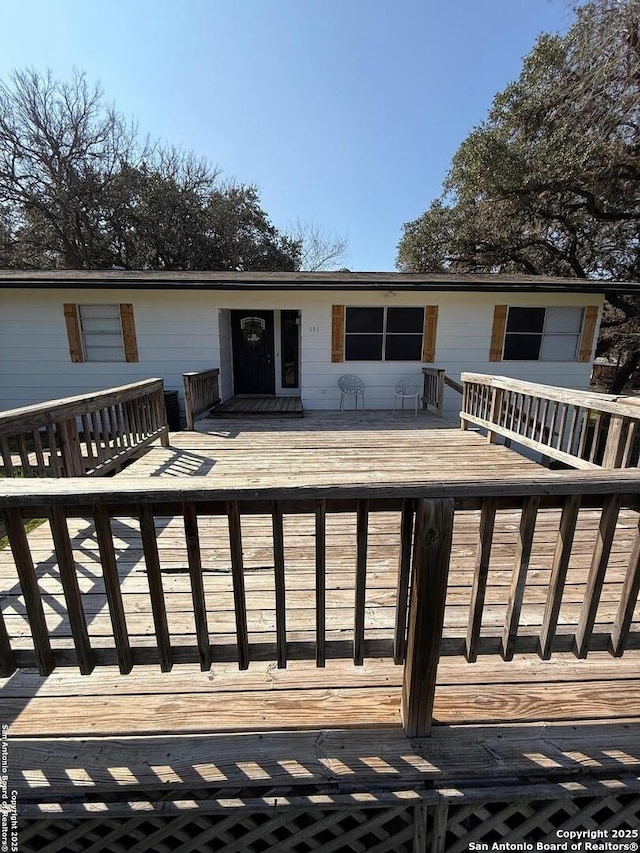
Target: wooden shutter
{"type": "Point", "coordinates": [588, 332]}
{"type": "Point", "coordinates": [128, 332]}
{"type": "Point", "coordinates": [497, 332]}
{"type": "Point", "coordinates": [337, 333]}
{"type": "Point", "coordinates": [430, 333]}
{"type": "Point", "coordinates": [73, 332]}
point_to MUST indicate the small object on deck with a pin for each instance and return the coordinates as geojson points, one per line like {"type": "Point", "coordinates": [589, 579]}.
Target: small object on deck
{"type": "Point", "coordinates": [408, 388]}
{"type": "Point", "coordinates": [351, 386]}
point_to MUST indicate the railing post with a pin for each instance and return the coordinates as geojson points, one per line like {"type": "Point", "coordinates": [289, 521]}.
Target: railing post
{"type": "Point", "coordinates": [616, 440]}
{"type": "Point", "coordinates": [432, 550]}
{"type": "Point", "coordinates": [70, 448]}
{"type": "Point", "coordinates": [188, 400]}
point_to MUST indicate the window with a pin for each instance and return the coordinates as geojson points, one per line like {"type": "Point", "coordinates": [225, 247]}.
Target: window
{"type": "Point", "coordinates": [384, 334]}
{"type": "Point", "coordinates": [542, 334]}
{"type": "Point", "coordinates": [289, 325]}
{"type": "Point", "coordinates": [101, 332]}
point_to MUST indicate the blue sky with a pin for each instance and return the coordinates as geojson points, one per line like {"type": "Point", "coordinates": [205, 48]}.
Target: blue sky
{"type": "Point", "coordinates": [342, 112]}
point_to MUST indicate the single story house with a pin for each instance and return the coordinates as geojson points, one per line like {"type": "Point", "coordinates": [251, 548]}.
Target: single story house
{"type": "Point", "coordinates": [275, 333]}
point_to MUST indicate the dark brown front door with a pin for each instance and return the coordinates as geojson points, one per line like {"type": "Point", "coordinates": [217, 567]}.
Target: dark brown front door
{"type": "Point", "coordinates": [252, 342]}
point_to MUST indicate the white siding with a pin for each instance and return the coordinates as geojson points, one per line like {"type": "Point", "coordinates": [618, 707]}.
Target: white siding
{"type": "Point", "coordinates": [179, 331]}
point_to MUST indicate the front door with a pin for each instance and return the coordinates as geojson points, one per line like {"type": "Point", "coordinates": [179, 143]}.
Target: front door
{"type": "Point", "coordinates": [252, 342]}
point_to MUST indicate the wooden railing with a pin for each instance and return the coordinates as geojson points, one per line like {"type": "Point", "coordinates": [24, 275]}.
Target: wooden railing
{"type": "Point", "coordinates": [433, 390]}
{"type": "Point", "coordinates": [201, 393]}
{"type": "Point", "coordinates": [76, 436]}
{"type": "Point", "coordinates": [579, 428]}
{"type": "Point", "coordinates": [501, 617]}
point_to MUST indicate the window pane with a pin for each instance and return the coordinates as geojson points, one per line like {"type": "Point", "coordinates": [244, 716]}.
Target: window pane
{"type": "Point", "coordinates": [525, 319]}
{"type": "Point", "coordinates": [364, 319]}
{"type": "Point", "coordinates": [99, 325]}
{"type": "Point", "coordinates": [289, 344]}
{"type": "Point", "coordinates": [559, 347]}
{"type": "Point", "coordinates": [403, 348]}
{"type": "Point", "coordinates": [522, 347]}
{"type": "Point", "coordinates": [563, 319]}
{"type": "Point", "coordinates": [90, 312]}
{"type": "Point", "coordinates": [405, 320]}
{"type": "Point", "coordinates": [363, 348]}
{"type": "Point", "coordinates": [99, 353]}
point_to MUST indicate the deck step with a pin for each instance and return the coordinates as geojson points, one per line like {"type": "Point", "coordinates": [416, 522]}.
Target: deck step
{"type": "Point", "coordinates": [265, 407]}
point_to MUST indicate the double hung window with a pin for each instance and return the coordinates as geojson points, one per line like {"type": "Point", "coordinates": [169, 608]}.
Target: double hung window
{"type": "Point", "coordinates": [384, 334]}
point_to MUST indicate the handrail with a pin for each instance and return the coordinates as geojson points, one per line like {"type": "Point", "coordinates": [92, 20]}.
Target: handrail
{"type": "Point", "coordinates": [453, 384]}
{"type": "Point", "coordinates": [85, 434]}
{"type": "Point", "coordinates": [424, 516]}
{"type": "Point", "coordinates": [201, 393]}
{"type": "Point", "coordinates": [578, 428]}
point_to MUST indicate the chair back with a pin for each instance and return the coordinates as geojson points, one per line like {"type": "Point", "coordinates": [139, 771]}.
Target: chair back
{"type": "Point", "coordinates": [408, 386]}
{"type": "Point", "coordinates": [350, 384]}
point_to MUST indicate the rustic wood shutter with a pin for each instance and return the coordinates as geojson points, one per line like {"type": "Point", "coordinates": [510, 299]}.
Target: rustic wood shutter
{"type": "Point", "coordinates": [128, 332]}
{"type": "Point", "coordinates": [497, 332]}
{"type": "Point", "coordinates": [588, 331]}
{"type": "Point", "coordinates": [430, 333]}
{"type": "Point", "coordinates": [73, 332]}
{"type": "Point", "coordinates": [337, 333]}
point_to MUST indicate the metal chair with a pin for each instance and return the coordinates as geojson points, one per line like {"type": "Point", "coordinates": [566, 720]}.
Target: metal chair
{"type": "Point", "coordinates": [351, 386]}
{"type": "Point", "coordinates": [408, 388]}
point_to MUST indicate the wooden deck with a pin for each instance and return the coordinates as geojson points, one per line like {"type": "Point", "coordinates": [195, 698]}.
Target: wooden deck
{"type": "Point", "coordinates": [272, 407]}
{"type": "Point", "coordinates": [305, 733]}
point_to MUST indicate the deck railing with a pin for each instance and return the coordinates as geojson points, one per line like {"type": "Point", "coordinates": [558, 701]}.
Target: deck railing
{"type": "Point", "coordinates": [506, 614]}
{"type": "Point", "coordinates": [433, 389]}
{"type": "Point", "coordinates": [579, 428]}
{"type": "Point", "coordinates": [201, 393]}
{"type": "Point", "coordinates": [87, 434]}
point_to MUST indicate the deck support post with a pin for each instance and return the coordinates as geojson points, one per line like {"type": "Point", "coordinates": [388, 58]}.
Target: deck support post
{"type": "Point", "coordinates": [432, 550]}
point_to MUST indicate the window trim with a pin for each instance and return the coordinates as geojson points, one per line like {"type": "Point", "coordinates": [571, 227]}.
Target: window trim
{"type": "Point", "coordinates": [75, 334]}
{"type": "Point", "coordinates": [591, 313]}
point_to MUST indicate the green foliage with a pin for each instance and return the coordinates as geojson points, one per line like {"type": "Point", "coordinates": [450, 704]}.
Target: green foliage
{"type": "Point", "coordinates": [550, 182]}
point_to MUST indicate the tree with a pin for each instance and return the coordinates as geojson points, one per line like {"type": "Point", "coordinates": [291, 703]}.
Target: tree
{"type": "Point", "coordinates": [550, 183]}
{"type": "Point", "coordinates": [79, 189]}
{"type": "Point", "coordinates": [319, 250]}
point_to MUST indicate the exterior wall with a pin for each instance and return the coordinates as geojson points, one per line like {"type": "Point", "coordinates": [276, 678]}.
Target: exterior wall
{"type": "Point", "coordinates": [179, 331]}
{"type": "Point", "coordinates": [175, 333]}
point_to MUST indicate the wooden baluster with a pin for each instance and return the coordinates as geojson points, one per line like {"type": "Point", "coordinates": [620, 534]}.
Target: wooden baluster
{"type": "Point", "coordinates": [7, 462]}
{"type": "Point", "coordinates": [122, 425]}
{"type": "Point", "coordinates": [197, 586]}
{"type": "Point", "coordinates": [465, 405]}
{"type": "Point", "coordinates": [402, 586]}
{"type": "Point", "coordinates": [535, 418]}
{"type": "Point", "coordinates": [156, 591]}
{"type": "Point", "coordinates": [113, 429]}
{"type": "Point", "coordinates": [24, 456]}
{"type": "Point", "coordinates": [162, 419]}
{"type": "Point", "coordinates": [616, 440]}
{"type": "Point", "coordinates": [519, 578]}
{"type": "Point", "coordinates": [29, 585]}
{"type": "Point", "coordinates": [362, 527]}
{"type": "Point", "coordinates": [494, 414]}
{"type": "Point", "coordinates": [628, 599]}
{"type": "Point", "coordinates": [189, 403]}
{"type": "Point", "coordinates": [70, 447]}
{"type": "Point", "coordinates": [543, 424]}
{"type": "Point", "coordinates": [571, 435]}
{"type": "Point", "coordinates": [54, 458]}
{"type": "Point", "coordinates": [595, 437]}
{"type": "Point", "coordinates": [597, 571]}
{"type": "Point", "coordinates": [88, 441]}
{"type": "Point", "coordinates": [433, 534]}
{"type": "Point", "coordinates": [41, 465]}
{"type": "Point", "coordinates": [8, 663]}
{"type": "Point", "coordinates": [279, 583]}
{"type": "Point", "coordinates": [480, 575]}
{"type": "Point", "coordinates": [564, 408]}
{"type": "Point", "coordinates": [561, 557]}
{"type": "Point", "coordinates": [629, 445]}
{"type": "Point", "coordinates": [72, 594]}
{"type": "Point", "coordinates": [239, 596]}
{"type": "Point", "coordinates": [585, 418]}
{"type": "Point", "coordinates": [97, 437]}
{"type": "Point", "coordinates": [321, 580]}
{"type": "Point", "coordinates": [104, 535]}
